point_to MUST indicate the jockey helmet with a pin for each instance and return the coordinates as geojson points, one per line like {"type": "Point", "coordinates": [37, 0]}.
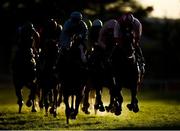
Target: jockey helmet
{"type": "Point", "coordinates": [126, 19]}
{"type": "Point", "coordinates": [76, 16]}
{"type": "Point", "coordinates": [97, 22]}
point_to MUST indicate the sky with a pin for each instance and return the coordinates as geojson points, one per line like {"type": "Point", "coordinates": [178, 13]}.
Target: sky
{"type": "Point", "coordinates": [164, 8]}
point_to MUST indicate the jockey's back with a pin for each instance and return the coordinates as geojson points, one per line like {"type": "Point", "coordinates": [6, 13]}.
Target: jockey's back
{"type": "Point", "coordinates": [134, 25]}
{"type": "Point", "coordinates": [106, 38]}
{"type": "Point", "coordinates": [71, 28]}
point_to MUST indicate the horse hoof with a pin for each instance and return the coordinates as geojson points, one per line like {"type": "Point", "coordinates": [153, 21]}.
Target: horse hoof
{"type": "Point", "coordinates": [51, 111]}
{"type": "Point", "coordinates": [85, 110]}
{"type": "Point", "coordinates": [33, 110]}
{"type": "Point", "coordinates": [55, 114]}
{"type": "Point", "coordinates": [101, 108]}
{"type": "Point", "coordinates": [41, 105]}
{"type": "Point", "coordinates": [59, 103]}
{"type": "Point", "coordinates": [20, 107]}
{"type": "Point", "coordinates": [29, 103]}
{"type": "Point", "coordinates": [135, 109]}
{"type": "Point", "coordinates": [73, 114]}
{"type": "Point", "coordinates": [109, 109]}
{"type": "Point", "coordinates": [117, 113]}
{"type": "Point", "coordinates": [96, 107]}
{"type": "Point", "coordinates": [130, 107]}
{"type": "Point", "coordinates": [73, 117]}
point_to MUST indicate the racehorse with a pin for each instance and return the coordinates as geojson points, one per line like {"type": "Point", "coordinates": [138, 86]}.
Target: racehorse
{"type": "Point", "coordinates": [99, 76]}
{"type": "Point", "coordinates": [24, 65]}
{"type": "Point", "coordinates": [125, 72]}
{"type": "Point", "coordinates": [47, 80]}
{"type": "Point", "coordinates": [100, 69]}
{"type": "Point", "coordinates": [72, 74]}
{"type": "Point", "coordinates": [47, 77]}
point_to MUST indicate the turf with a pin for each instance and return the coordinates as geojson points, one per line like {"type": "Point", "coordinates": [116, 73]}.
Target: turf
{"type": "Point", "coordinates": [158, 110]}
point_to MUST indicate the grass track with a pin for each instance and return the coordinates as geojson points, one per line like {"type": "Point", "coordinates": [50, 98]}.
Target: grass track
{"type": "Point", "coordinates": [158, 110]}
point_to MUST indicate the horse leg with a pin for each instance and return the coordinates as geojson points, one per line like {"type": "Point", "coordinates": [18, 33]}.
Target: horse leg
{"type": "Point", "coordinates": [134, 101]}
{"type": "Point", "coordinates": [118, 98]}
{"type": "Point", "coordinates": [110, 107]}
{"type": "Point", "coordinates": [98, 104]}
{"type": "Point", "coordinates": [55, 101]}
{"type": "Point", "coordinates": [118, 104]}
{"type": "Point", "coordinates": [86, 100]}
{"type": "Point", "coordinates": [46, 101]}
{"type": "Point", "coordinates": [41, 98]}
{"type": "Point", "coordinates": [59, 101]}
{"type": "Point", "coordinates": [20, 102]}
{"type": "Point", "coordinates": [51, 97]}
{"type": "Point", "coordinates": [77, 103]}
{"type": "Point", "coordinates": [67, 109]}
{"type": "Point", "coordinates": [54, 107]}
{"type": "Point", "coordinates": [72, 103]}
{"type": "Point", "coordinates": [31, 100]}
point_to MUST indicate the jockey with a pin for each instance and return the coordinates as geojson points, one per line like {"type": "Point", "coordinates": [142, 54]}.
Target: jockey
{"type": "Point", "coordinates": [106, 37]}
{"type": "Point", "coordinates": [94, 66]}
{"type": "Point", "coordinates": [106, 41]}
{"type": "Point", "coordinates": [74, 26]}
{"type": "Point", "coordinates": [94, 31]}
{"type": "Point", "coordinates": [24, 62]}
{"type": "Point", "coordinates": [28, 34]}
{"type": "Point", "coordinates": [49, 44]}
{"type": "Point", "coordinates": [89, 25]}
{"type": "Point", "coordinates": [47, 76]}
{"type": "Point", "coordinates": [94, 34]}
{"type": "Point", "coordinates": [128, 22]}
